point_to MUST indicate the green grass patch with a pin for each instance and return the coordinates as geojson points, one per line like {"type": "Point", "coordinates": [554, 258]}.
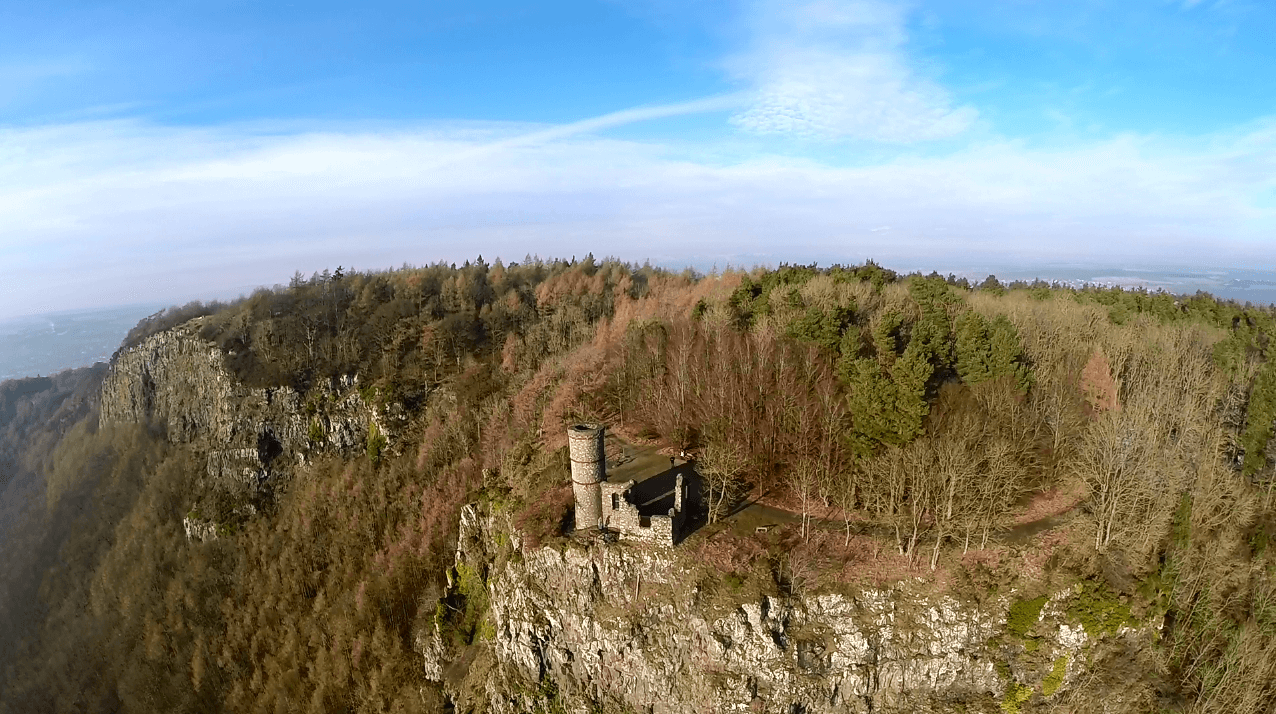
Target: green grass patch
{"type": "Point", "coordinates": [1259, 541]}
{"type": "Point", "coordinates": [1054, 680]}
{"type": "Point", "coordinates": [733, 581]}
{"type": "Point", "coordinates": [1023, 615]}
{"type": "Point", "coordinates": [1016, 695]}
{"type": "Point", "coordinates": [547, 700]}
{"type": "Point", "coordinates": [462, 614]}
{"type": "Point", "coordinates": [1181, 524]}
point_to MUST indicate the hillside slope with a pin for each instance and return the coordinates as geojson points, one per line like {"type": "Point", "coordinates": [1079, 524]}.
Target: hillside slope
{"type": "Point", "coordinates": [266, 514]}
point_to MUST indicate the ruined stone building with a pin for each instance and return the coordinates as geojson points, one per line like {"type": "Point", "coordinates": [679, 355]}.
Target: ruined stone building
{"type": "Point", "coordinates": [643, 510]}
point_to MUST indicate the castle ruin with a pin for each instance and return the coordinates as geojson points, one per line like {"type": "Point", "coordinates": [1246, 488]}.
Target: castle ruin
{"type": "Point", "coordinates": [617, 507]}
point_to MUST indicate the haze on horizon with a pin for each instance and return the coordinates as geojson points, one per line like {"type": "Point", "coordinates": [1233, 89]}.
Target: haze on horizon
{"type": "Point", "coordinates": [154, 153]}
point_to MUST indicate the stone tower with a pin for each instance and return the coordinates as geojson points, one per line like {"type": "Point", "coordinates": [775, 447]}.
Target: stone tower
{"type": "Point", "coordinates": [589, 470]}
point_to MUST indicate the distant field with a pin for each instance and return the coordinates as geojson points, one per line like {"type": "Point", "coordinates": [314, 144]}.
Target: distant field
{"type": "Point", "coordinates": [1242, 285]}
{"type": "Point", "coordinates": [1253, 285]}
{"type": "Point", "coordinates": [45, 344]}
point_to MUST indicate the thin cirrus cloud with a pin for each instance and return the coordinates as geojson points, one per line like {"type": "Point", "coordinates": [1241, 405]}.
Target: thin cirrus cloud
{"type": "Point", "coordinates": [112, 212]}
{"type": "Point", "coordinates": [839, 70]}
{"type": "Point", "coordinates": [198, 210]}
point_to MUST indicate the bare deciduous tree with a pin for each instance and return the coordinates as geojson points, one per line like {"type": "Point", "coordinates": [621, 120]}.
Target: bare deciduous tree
{"type": "Point", "coordinates": [721, 466]}
{"type": "Point", "coordinates": [804, 480]}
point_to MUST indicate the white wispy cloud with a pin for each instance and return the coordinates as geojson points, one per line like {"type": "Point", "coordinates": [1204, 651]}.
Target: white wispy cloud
{"type": "Point", "coordinates": [108, 213]}
{"type": "Point", "coordinates": [838, 69]}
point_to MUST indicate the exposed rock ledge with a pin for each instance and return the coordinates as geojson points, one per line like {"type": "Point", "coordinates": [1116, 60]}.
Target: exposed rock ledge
{"type": "Point", "coordinates": [178, 380]}
{"type": "Point", "coordinates": [624, 626]}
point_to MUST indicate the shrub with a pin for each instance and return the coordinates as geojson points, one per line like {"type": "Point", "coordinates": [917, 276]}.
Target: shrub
{"type": "Point", "coordinates": [376, 443]}
{"type": "Point", "coordinates": [1098, 609]}
{"type": "Point", "coordinates": [545, 517]}
{"type": "Point", "coordinates": [316, 432]}
{"type": "Point", "coordinates": [1259, 418]}
{"type": "Point", "coordinates": [168, 318]}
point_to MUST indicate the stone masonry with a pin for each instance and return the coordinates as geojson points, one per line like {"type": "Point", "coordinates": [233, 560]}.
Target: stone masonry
{"type": "Point", "coordinates": [611, 506]}
{"type": "Point", "coordinates": [589, 469]}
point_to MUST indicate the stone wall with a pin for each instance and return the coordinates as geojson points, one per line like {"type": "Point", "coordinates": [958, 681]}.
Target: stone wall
{"type": "Point", "coordinates": [661, 529]}
{"type": "Point", "coordinates": [624, 518]}
{"type": "Point", "coordinates": [618, 513]}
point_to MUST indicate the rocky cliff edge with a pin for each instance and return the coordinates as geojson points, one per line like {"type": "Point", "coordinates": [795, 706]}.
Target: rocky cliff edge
{"type": "Point", "coordinates": [594, 626]}
{"type": "Point", "coordinates": [178, 381]}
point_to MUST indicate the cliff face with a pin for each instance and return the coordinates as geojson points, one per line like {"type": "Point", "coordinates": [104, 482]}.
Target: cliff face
{"type": "Point", "coordinates": [624, 627]}
{"type": "Point", "coordinates": [179, 381]}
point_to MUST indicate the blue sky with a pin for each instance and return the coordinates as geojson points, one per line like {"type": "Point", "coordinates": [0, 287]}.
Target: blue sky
{"type": "Point", "coordinates": [163, 151]}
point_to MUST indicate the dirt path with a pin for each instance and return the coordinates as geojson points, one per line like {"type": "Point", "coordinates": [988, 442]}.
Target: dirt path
{"type": "Point", "coordinates": [640, 462]}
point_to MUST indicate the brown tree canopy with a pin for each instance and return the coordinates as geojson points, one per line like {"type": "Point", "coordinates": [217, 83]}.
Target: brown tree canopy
{"type": "Point", "coordinates": [913, 410]}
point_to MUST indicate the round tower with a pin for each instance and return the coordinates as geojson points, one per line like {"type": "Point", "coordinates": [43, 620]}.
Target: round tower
{"type": "Point", "coordinates": [589, 469]}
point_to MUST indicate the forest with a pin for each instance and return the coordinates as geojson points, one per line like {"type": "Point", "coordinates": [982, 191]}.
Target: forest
{"type": "Point", "coordinates": [907, 421]}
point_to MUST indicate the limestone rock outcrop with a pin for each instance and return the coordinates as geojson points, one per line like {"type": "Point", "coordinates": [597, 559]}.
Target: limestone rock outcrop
{"type": "Point", "coordinates": [178, 381]}
{"type": "Point", "coordinates": [623, 626]}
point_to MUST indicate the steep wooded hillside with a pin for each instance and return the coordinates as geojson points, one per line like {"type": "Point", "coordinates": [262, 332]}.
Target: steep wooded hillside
{"type": "Point", "coordinates": [997, 442]}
